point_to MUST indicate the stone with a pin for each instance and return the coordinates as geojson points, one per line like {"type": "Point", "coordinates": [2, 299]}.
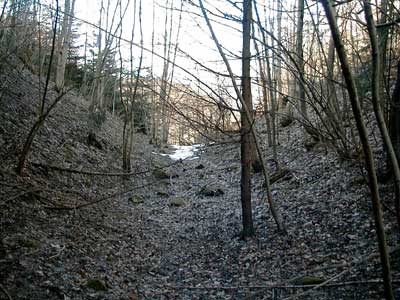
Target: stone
{"type": "Point", "coordinates": [135, 199]}
{"type": "Point", "coordinates": [160, 173]}
{"type": "Point", "coordinates": [211, 191]}
{"type": "Point", "coordinates": [177, 201]}
{"type": "Point", "coordinates": [96, 284]}
{"type": "Point", "coordinates": [358, 180]}
{"type": "Point", "coordinates": [162, 194]}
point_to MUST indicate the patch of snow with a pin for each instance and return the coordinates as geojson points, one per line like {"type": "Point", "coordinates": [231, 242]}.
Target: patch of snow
{"type": "Point", "coordinates": [185, 152]}
{"type": "Point", "coordinates": [162, 154]}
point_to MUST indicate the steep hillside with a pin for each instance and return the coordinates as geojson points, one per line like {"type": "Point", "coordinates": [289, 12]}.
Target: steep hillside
{"type": "Point", "coordinates": [171, 229]}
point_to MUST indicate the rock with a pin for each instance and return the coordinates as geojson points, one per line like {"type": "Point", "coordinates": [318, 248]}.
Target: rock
{"type": "Point", "coordinates": [199, 167]}
{"type": "Point", "coordinates": [162, 194]}
{"type": "Point", "coordinates": [310, 143]}
{"type": "Point", "coordinates": [135, 199]}
{"type": "Point", "coordinates": [257, 166]}
{"type": "Point", "coordinates": [177, 201]}
{"type": "Point", "coordinates": [96, 284]}
{"type": "Point", "coordinates": [358, 180]}
{"type": "Point", "coordinates": [29, 243]}
{"type": "Point", "coordinates": [211, 191]}
{"type": "Point", "coordinates": [160, 173]}
{"type": "Point", "coordinates": [92, 141]}
{"type": "Point", "coordinates": [286, 120]}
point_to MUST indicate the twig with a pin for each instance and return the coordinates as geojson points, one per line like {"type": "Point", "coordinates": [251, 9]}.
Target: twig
{"type": "Point", "coordinates": [5, 292]}
{"type": "Point", "coordinates": [24, 192]}
{"type": "Point", "coordinates": [394, 22]}
{"type": "Point", "coordinates": [59, 253]}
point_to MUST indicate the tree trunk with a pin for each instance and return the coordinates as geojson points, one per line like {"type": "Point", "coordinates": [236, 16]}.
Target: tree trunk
{"type": "Point", "coordinates": [394, 131]}
{"type": "Point", "coordinates": [301, 94]}
{"type": "Point", "coordinates": [63, 44]}
{"type": "Point", "coordinates": [266, 77]}
{"type": "Point", "coordinates": [376, 94]}
{"type": "Point", "coordinates": [246, 123]}
{"type": "Point", "coordinates": [363, 133]}
{"type": "Point", "coordinates": [248, 115]}
{"type": "Point", "coordinates": [395, 115]}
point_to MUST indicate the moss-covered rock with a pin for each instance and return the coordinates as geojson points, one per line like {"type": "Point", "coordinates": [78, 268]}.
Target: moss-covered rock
{"type": "Point", "coordinates": [162, 194]}
{"type": "Point", "coordinates": [160, 174]}
{"type": "Point", "coordinates": [29, 243]}
{"type": "Point", "coordinates": [96, 284]}
{"type": "Point", "coordinates": [211, 191]}
{"type": "Point", "coordinates": [177, 201]}
{"type": "Point", "coordinates": [135, 199]}
{"type": "Point", "coordinates": [358, 180]}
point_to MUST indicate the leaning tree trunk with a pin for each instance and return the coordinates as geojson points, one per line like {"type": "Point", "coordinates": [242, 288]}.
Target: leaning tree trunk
{"type": "Point", "coordinates": [376, 97]}
{"type": "Point", "coordinates": [363, 133]}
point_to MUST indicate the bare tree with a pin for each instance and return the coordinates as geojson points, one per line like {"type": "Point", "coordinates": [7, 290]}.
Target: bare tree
{"type": "Point", "coordinates": [248, 116]}
{"type": "Point", "coordinates": [43, 112]}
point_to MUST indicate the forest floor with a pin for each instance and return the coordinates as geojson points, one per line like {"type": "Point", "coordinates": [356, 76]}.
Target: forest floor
{"type": "Point", "coordinates": [172, 229]}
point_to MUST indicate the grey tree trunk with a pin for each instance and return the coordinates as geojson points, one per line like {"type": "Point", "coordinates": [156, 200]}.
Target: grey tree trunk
{"type": "Point", "coordinates": [301, 94]}
{"type": "Point", "coordinates": [63, 44]}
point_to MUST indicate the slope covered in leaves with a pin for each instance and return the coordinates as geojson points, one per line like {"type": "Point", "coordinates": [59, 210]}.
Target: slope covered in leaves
{"type": "Point", "coordinates": [171, 229]}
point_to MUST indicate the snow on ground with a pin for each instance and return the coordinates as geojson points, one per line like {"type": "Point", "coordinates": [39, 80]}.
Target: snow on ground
{"type": "Point", "coordinates": [185, 152]}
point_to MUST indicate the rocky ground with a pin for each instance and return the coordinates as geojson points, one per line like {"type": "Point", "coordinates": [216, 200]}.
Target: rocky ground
{"type": "Point", "coordinates": [171, 230]}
